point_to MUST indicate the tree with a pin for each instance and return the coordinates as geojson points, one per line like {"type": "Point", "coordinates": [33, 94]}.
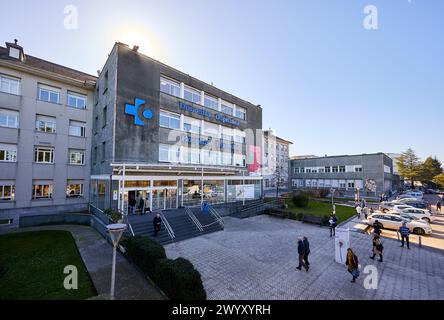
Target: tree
{"type": "Point", "coordinates": [430, 169]}
{"type": "Point", "coordinates": [439, 180]}
{"type": "Point", "coordinates": [409, 165]}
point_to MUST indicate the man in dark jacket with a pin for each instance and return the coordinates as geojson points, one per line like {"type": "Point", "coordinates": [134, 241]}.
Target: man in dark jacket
{"type": "Point", "coordinates": [377, 226]}
{"type": "Point", "coordinates": [333, 222]}
{"type": "Point", "coordinates": [405, 232]}
{"type": "Point", "coordinates": [157, 223]}
{"type": "Point", "coordinates": [307, 251]}
{"type": "Point", "coordinates": [438, 206]}
{"type": "Point", "coordinates": [301, 253]}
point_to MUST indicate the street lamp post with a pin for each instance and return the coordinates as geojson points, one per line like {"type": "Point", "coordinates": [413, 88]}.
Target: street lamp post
{"type": "Point", "coordinates": [115, 232]}
{"type": "Point", "coordinates": [332, 191]}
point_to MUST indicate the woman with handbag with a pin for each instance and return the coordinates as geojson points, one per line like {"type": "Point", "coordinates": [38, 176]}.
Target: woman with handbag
{"type": "Point", "coordinates": [377, 247]}
{"type": "Point", "coordinates": [352, 264]}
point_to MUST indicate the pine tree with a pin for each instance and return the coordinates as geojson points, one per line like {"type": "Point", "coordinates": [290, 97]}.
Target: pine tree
{"type": "Point", "coordinates": [430, 169]}
{"type": "Point", "coordinates": [409, 165]}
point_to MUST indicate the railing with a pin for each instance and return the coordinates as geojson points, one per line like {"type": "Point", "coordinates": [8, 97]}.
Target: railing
{"type": "Point", "coordinates": [194, 219]}
{"type": "Point", "coordinates": [125, 218]}
{"type": "Point", "coordinates": [217, 216]}
{"type": "Point", "coordinates": [99, 213]}
{"type": "Point", "coordinates": [167, 226]}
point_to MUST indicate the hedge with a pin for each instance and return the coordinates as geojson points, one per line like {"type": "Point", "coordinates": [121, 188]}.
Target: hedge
{"type": "Point", "coordinates": [178, 279]}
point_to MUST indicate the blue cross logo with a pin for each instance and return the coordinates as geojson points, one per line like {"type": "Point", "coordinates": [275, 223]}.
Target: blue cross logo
{"type": "Point", "coordinates": [133, 110]}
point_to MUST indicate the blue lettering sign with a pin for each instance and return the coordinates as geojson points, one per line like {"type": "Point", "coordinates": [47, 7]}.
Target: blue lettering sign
{"type": "Point", "coordinates": [207, 114]}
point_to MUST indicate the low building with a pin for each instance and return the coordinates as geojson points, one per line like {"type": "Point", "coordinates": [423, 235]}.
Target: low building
{"type": "Point", "coordinates": [45, 136]}
{"type": "Point", "coordinates": [276, 161]}
{"type": "Point", "coordinates": [372, 174]}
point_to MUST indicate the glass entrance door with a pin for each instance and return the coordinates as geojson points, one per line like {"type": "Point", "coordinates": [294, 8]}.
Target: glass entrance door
{"type": "Point", "coordinates": [158, 200]}
{"type": "Point", "coordinates": [170, 198]}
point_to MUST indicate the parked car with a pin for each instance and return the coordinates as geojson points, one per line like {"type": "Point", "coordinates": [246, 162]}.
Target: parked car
{"type": "Point", "coordinates": [400, 207]}
{"type": "Point", "coordinates": [407, 199]}
{"type": "Point", "coordinates": [421, 214]}
{"type": "Point", "coordinates": [416, 194]}
{"type": "Point", "coordinates": [394, 222]}
{"type": "Point", "coordinates": [416, 204]}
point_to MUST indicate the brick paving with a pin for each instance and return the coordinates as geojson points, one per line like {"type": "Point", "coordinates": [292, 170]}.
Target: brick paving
{"type": "Point", "coordinates": [255, 258]}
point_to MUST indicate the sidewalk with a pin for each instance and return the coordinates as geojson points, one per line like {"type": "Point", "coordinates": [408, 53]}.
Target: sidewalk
{"type": "Point", "coordinates": [96, 253]}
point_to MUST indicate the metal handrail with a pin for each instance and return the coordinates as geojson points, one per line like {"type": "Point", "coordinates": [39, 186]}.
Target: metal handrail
{"type": "Point", "coordinates": [217, 216]}
{"type": "Point", "coordinates": [167, 226]}
{"type": "Point", "coordinates": [99, 213]}
{"type": "Point", "coordinates": [125, 218]}
{"type": "Point", "coordinates": [194, 219]}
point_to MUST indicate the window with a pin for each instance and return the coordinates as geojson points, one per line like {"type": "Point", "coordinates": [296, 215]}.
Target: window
{"type": "Point", "coordinates": [95, 155]}
{"type": "Point", "coordinates": [76, 100]}
{"type": "Point", "coordinates": [341, 168]}
{"type": "Point", "coordinates": [227, 108]}
{"type": "Point", "coordinates": [239, 160]}
{"type": "Point", "coordinates": [96, 124]}
{"type": "Point", "coordinates": [106, 82]}
{"type": "Point", "coordinates": [211, 157]}
{"type": "Point", "coordinates": [302, 170]}
{"type": "Point", "coordinates": [8, 152]}
{"type": "Point", "coordinates": [308, 170]}
{"type": "Point", "coordinates": [191, 125]}
{"type": "Point", "coordinates": [49, 94]}
{"type": "Point", "coordinates": [358, 169]}
{"type": "Point", "coordinates": [104, 115]}
{"type": "Point", "coordinates": [241, 113]}
{"type": "Point", "coordinates": [334, 169]}
{"type": "Point", "coordinates": [342, 185]}
{"type": "Point", "coordinates": [169, 86]}
{"type": "Point", "coordinates": [42, 191]}
{"type": "Point", "coordinates": [227, 159]}
{"type": "Point", "coordinates": [103, 150]}
{"type": "Point", "coordinates": [351, 185]}
{"type": "Point", "coordinates": [169, 120]}
{"type": "Point", "coordinates": [9, 85]}
{"type": "Point", "coordinates": [43, 155]}
{"type": "Point", "coordinates": [77, 157]}
{"type": "Point", "coordinates": [192, 95]}
{"type": "Point", "coordinates": [239, 136]}
{"type": "Point", "coordinates": [190, 155]}
{"type": "Point", "coordinates": [211, 129]}
{"type": "Point", "coordinates": [168, 153]}
{"type": "Point", "coordinates": [74, 190]}
{"type": "Point", "coordinates": [296, 170]}
{"type": "Point", "coordinates": [77, 128]}
{"type": "Point", "coordinates": [227, 134]}
{"type": "Point", "coordinates": [327, 169]}
{"type": "Point", "coordinates": [321, 170]}
{"type": "Point", "coordinates": [9, 118]}
{"type": "Point", "coordinates": [7, 192]}
{"type": "Point", "coordinates": [45, 124]}
{"type": "Point", "coordinates": [211, 102]}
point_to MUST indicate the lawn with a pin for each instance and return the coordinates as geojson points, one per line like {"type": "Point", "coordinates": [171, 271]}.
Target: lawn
{"type": "Point", "coordinates": [317, 208]}
{"type": "Point", "coordinates": [32, 264]}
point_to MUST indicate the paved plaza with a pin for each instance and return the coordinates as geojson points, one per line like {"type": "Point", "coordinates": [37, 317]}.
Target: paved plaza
{"type": "Point", "coordinates": [255, 258]}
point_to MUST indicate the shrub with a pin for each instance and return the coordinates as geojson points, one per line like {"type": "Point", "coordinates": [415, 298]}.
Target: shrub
{"type": "Point", "coordinates": [299, 216]}
{"type": "Point", "coordinates": [144, 252]}
{"type": "Point", "coordinates": [179, 280]}
{"type": "Point", "coordinates": [114, 215]}
{"type": "Point", "coordinates": [323, 193]}
{"type": "Point", "coordinates": [300, 200]}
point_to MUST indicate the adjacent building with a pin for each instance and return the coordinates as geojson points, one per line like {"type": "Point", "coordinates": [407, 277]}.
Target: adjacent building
{"type": "Point", "coordinates": [372, 174]}
{"type": "Point", "coordinates": [276, 161]}
{"type": "Point", "coordinates": [169, 139]}
{"type": "Point", "coordinates": [45, 135]}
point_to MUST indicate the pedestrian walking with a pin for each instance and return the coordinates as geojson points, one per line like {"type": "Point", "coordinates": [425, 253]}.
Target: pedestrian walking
{"type": "Point", "coordinates": [365, 212]}
{"type": "Point", "coordinates": [333, 222]}
{"type": "Point", "coordinates": [438, 206]}
{"type": "Point", "coordinates": [132, 204]}
{"type": "Point", "coordinates": [405, 233]}
{"type": "Point", "coordinates": [363, 203]}
{"type": "Point", "coordinates": [141, 205]}
{"type": "Point", "coordinates": [307, 251]}
{"type": "Point", "coordinates": [378, 248]}
{"type": "Point", "coordinates": [301, 253]}
{"type": "Point", "coordinates": [358, 211]}
{"type": "Point", "coordinates": [157, 223]}
{"type": "Point", "coordinates": [352, 264]}
{"type": "Point", "coordinates": [377, 226]}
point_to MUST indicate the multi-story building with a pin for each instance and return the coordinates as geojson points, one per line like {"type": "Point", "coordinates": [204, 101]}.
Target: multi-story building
{"type": "Point", "coordinates": [45, 139]}
{"type": "Point", "coordinates": [170, 139]}
{"type": "Point", "coordinates": [372, 174]}
{"type": "Point", "coordinates": [276, 161]}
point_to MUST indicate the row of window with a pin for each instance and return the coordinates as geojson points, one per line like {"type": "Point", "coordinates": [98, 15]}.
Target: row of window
{"type": "Point", "coordinates": [174, 88]}
{"type": "Point", "coordinates": [177, 154]}
{"type": "Point", "coordinates": [41, 191]}
{"type": "Point", "coordinates": [43, 123]}
{"type": "Point", "coordinates": [180, 122]}
{"type": "Point", "coordinates": [8, 153]}
{"type": "Point", "coordinates": [328, 169]}
{"type": "Point", "coordinates": [45, 93]}
{"type": "Point", "coordinates": [327, 183]}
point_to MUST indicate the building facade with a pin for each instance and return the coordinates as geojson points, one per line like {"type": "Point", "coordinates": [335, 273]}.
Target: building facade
{"type": "Point", "coordinates": [168, 139]}
{"type": "Point", "coordinates": [372, 174]}
{"type": "Point", "coordinates": [45, 136]}
{"type": "Point", "coordinates": [276, 161]}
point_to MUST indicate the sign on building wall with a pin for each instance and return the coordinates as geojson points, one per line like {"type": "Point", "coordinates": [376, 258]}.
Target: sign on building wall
{"type": "Point", "coordinates": [245, 191]}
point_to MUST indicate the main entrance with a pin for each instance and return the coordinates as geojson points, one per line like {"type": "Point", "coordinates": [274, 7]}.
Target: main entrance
{"type": "Point", "coordinates": [145, 199]}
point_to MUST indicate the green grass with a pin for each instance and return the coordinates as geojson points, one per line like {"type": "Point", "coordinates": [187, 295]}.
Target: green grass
{"type": "Point", "coordinates": [317, 208]}
{"type": "Point", "coordinates": [32, 264]}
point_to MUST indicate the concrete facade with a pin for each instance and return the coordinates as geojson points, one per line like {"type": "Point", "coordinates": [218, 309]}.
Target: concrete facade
{"type": "Point", "coordinates": [31, 73]}
{"type": "Point", "coordinates": [371, 173]}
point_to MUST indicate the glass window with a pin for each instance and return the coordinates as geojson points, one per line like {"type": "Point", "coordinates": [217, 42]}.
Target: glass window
{"type": "Point", "coordinates": [211, 102]}
{"type": "Point", "coordinates": [239, 136]}
{"type": "Point", "coordinates": [358, 169]}
{"type": "Point", "coordinates": [191, 125]}
{"type": "Point", "coordinates": [227, 108]}
{"type": "Point", "coordinates": [169, 120]}
{"type": "Point", "coordinates": [169, 86]}
{"type": "Point", "coordinates": [76, 100]}
{"type": "Point", "coordinates": [9, 118]}
{"type": "Point", "coordinates": [239, 160]}
{"type": "Point", "coordinates": [211, 129]}
{"type": "Point", "coordinates": [227, 159]}
{"type": "Point", "coordinates": [77, 157]}
{"type": "Point", "coordinates": [45, 124]}
{"type": "Point", "coordinates": [334, 169]}
{"type": "Point", "coordinates": [241, 113]}
{"type": "Point", "coordinates": [192, 95]}
{"type": "Point", "coordinates": [7, 192]}
{"type": "Point", "coordinates": [341, 168]}
{"type": "Point", "coordinates": [327, 169]}
{"type": "Point", "coordinates": [9, 85]}
{"type": "Point", "coordinates": [8, 152]}
{"type": "Point", "coordinates": [42, 191]}
{"type": "Point", "coordinates": [104, 116]}
{"type": "Point", "coordinates": [77, 128]}
{"type": "Point", "coordinates": [227, 134]}
{"type": "Point", "coordinates": [74, 190]}
{"type": "Point", "coordinates": [43, 155]}
{"type": "Point", "coordinates": [48, 94]}
{"type": "Point", "coordinates": [211, 157]}
{"type": "Point", "coordinates": [169, 153]}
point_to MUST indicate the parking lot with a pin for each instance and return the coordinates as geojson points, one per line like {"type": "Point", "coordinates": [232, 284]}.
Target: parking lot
{"type": "Point", "coordinates": [255, 258]}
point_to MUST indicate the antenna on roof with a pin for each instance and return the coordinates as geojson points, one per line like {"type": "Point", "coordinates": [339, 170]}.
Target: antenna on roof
{"type": "Point", "coordinates": [15, 41]}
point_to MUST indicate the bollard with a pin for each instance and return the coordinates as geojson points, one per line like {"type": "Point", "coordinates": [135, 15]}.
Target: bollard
{"type": "Point", "coordinates": [397, 234]}
{"type": "Point", "coordinates": [420, 241]}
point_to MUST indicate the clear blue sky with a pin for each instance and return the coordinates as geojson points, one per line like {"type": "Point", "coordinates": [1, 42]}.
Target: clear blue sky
{"type": "Point", "coordinates": [324, 82]}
